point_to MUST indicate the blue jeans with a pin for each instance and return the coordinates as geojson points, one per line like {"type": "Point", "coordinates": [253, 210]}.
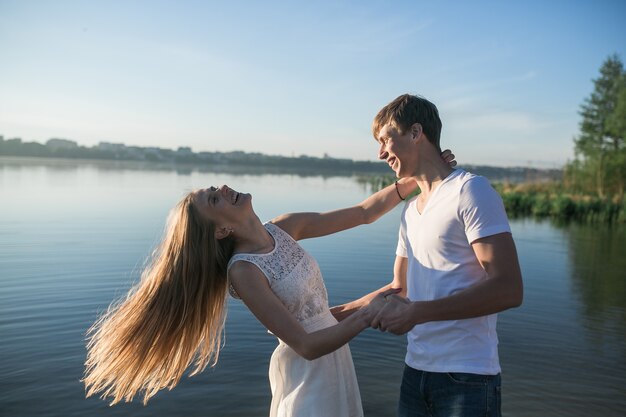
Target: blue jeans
{"type": "Point", "coordinates": [434, 394]}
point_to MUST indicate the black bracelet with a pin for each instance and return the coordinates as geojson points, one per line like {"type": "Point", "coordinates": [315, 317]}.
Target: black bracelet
{"type": "Point", "coordinates": [398, 191]}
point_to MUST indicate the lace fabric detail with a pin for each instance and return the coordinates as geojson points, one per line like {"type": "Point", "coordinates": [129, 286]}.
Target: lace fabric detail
{"type": "Point", "coordinates": [294, 275]}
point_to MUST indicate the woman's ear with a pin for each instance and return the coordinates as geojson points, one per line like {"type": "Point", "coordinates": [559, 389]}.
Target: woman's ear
{"type": "Point", "coordinates": [222, 232]}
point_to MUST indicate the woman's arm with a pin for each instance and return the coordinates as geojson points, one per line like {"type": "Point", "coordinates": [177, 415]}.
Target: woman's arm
{"type": "Point", "coordinates": [254, 290]}
{"type": "Point", "coordinates": [309, 225]}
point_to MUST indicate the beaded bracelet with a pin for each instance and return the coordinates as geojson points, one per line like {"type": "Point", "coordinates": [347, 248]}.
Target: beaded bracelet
{"type": "Point", "coordinates": [398, 191]}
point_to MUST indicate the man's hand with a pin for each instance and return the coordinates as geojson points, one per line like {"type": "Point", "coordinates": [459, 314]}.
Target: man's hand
{"type": "Point", "coordinates": [379, 302]}
{"type": "Point", "coordinates": [394, 316]}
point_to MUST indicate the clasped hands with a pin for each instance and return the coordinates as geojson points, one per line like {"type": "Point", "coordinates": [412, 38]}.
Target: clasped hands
{"type": "Point", "coordinates": [389, 312]}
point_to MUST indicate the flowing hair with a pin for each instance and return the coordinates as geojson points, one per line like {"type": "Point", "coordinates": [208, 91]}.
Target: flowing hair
{"type": "Point", "coordinates": [174, 316]}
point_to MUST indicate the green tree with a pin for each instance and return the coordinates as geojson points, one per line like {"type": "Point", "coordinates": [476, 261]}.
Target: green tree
{"type": "Point", "coordinates": [600, 149]}
{"type": "Point", "coordinates": [616, 126]}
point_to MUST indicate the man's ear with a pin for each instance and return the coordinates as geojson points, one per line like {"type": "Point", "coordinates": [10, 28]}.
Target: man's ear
{"type": "Point", "coordinates": [222, 232]}
{"type": "Point", "coordinates": [416, 130]}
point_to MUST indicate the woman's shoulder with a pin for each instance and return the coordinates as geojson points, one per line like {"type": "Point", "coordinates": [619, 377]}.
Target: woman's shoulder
{"type": "Point", "coordinates": [276, 230]}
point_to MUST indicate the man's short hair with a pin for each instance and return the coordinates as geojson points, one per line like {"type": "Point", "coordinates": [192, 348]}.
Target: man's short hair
{"type": "Point", "coordinates": [404, 112]}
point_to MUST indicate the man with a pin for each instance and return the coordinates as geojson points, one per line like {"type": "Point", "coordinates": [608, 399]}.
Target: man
{"type": "Point", "coordinates": [457, 264]}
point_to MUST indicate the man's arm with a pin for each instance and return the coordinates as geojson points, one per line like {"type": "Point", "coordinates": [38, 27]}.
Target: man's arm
{"type": "Point", "coordinates": [503, 289]}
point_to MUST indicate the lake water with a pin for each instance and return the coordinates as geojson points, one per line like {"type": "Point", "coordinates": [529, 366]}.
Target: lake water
{"type": "Point", "coordinates": [74, 236]}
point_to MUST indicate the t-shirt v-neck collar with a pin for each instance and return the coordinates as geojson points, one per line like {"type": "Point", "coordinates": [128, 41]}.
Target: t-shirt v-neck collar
{"type": "Point", "coordinates": [453, 174]}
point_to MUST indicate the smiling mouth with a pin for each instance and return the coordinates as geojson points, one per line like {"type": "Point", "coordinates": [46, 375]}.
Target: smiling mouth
{"type": "Point", "coordinates": [236, 198]}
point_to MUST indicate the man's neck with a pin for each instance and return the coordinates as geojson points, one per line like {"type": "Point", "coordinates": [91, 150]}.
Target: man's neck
{"type": "Point", "coordinates": [430, 173]}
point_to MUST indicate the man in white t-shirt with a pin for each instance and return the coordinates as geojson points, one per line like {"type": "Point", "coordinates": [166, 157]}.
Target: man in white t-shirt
{"type": "Point", "coordinates": [457, 266]}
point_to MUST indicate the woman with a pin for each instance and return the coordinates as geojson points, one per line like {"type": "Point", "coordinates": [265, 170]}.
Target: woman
{"type": "Point", "coordinates": [214, 243]}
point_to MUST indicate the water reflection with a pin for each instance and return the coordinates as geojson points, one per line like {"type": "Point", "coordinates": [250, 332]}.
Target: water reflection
{"type": "Point", "coordinates": [597, 255]}
{"type": "Point", "coordinates": [73, 237]}
{"type": "Point", "coordinates": [598, 265]}
{"type": "Point", "coordinates": [13, 163]}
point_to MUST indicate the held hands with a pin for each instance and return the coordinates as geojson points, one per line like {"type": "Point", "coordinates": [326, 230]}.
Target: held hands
{"type": "Point", "coordinates": [393, 312]}
{"type": "Point", "coordinates": [371, 310]}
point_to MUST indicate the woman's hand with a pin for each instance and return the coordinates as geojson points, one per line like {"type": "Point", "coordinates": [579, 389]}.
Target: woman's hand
{"type": "Point", "coordinates": [448, 158]}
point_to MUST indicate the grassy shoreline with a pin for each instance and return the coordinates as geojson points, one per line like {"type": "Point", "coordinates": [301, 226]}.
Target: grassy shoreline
{"type": "Point", "coordinates": [547, 199]}
{"type": "Point", "coordinates": [555, 201]}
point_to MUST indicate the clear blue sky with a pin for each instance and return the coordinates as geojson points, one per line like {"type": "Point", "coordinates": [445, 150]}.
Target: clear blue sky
{"type": "Point", "coordinates": [296, 78]}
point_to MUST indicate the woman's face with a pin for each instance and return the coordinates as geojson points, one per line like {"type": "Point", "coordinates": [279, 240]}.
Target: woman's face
{"type": "Point", "coordinates": [223, 206]}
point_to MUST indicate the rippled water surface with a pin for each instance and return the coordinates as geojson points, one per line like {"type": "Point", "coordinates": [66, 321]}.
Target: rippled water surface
{"type": "Point", "coordinates": [74, 236]}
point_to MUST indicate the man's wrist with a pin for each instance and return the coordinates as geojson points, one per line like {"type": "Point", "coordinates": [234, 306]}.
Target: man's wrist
{"type": "Point", "coordinates": [416, 313]}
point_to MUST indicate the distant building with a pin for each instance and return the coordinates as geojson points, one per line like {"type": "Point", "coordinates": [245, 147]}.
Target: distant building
{"type": "Point", "coordinates": [55, 144]}
{"type": "Point", "coordinates": [108, 146]}
{"type": "Point", "coordinates": [153, 154]}
{"type": "Point", "coordinates": [135, 152]}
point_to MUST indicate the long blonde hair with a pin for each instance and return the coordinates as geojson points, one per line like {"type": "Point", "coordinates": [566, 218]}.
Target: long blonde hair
{"type": "Point", "coordinates": [173, 316]}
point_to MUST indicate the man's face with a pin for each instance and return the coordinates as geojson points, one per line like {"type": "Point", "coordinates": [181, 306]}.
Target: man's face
{"type": "Point", "coordinates": [397, 149]}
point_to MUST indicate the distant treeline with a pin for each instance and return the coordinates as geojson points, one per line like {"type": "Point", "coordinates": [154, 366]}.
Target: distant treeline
{"type": "Point", "coordinates": [184, 156]}
{"type": "Point", "coordinates": [62, 148]}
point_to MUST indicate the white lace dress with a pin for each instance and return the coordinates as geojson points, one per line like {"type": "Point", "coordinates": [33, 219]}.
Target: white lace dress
{"type": "Point", "coordinates": [324, 387]}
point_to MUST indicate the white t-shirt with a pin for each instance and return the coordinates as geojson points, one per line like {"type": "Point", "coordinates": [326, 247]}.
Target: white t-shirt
{"type": "Point", "coordinates": [441, 262]}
